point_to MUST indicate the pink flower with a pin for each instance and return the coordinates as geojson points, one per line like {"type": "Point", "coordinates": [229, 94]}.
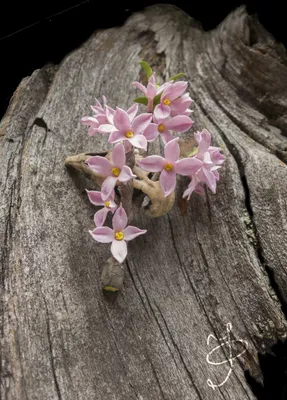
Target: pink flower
{"type": "Point", "coordinates": [92, 123]}
{"type": "Point", "coordinates": [211, 159]}
{"type": "Point", "coordinates": [168, 97]}
{"type": "Point", "coordinates": [114, 171]}
{"type": "Point", "coordinates": [127, 127]}
{"type": "Point", "coordinates": [194, 186]}
{"type": "Point", "coordinates": [151, 90]}
{"type": "Point", "coordinates": [170, 166]}
{"type": "Point", "coordinates": [180, 106]}
{"type": "Point", "coordinates": [180, 123]}
{"type": "Point", "coordinates": [96, 198]}
{"type": "Point", "coordinates": [119, 235]}
{"type": "Point", "coordinates": [101, 116]}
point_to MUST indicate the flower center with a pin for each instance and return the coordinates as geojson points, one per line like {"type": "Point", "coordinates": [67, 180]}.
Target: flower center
{"type": "Point", "coordinates": [116, 171]}
{"type": "Point", "coordinates": [168, 167]}
{"type": "Point", "coordinates": [119, 235]}
{"type": "Point", "coordinates": [107, 204]}
{"type": "Point", "coordinates": [160, 128]}
{"type": "Point", "coordinates": [129, 134]}
{"type": "Point", "coordinates": [167, 102]}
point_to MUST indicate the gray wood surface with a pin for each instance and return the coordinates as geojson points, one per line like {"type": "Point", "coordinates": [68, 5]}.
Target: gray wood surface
{"type": "Point", "coordinates": [219, 259]}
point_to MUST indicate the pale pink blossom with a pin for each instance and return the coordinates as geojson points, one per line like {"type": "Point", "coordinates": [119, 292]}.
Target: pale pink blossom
{"type": "Point", "coordinates": [96, 198]}
{"type": "Point", "coordinates": [169, 165]}
{"type": "Point", "coordinates": [119, 235]}
{"type": "Point", "coordinates": [168, 97]}
{"type": "Point", "coordinates": [113, 171]}
{"type": "Point", "coordinates": [181, 105]}
{"type": "Point", "coordinates": [101, 116]}
{"type": "Point", "coordinates": [151, 90]}
{"type": "Point", "coordinates": [211, 159]}
{"type": "Point", "coordinates": [92, 123]}
{"type": "Point", "coordinates": [127, 127]}
{"type": "Point", "coordinates": [164, 127]}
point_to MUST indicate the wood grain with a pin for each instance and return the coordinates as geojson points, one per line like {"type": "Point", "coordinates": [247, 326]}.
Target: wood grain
{"type": "Point", "coordinates": [222, 259]}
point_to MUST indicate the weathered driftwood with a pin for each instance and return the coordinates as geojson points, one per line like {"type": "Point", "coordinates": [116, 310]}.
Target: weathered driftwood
{"type": "Point", "coordinates": [216, 260]}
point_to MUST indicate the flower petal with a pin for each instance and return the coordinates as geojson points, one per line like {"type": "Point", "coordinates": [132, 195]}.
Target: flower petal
{"type": "Point", "coordinates": [100, 164]}
{"type": "Point", "coordinates": [141, 122]}
{"type": "Point", "coordinates": [152, 163]}
{"type": "Point", "coordinates": [161, 111]}
{"type": "Point", "coordinates": [90, 121]}
{"type": "Point", "coordinates": [108, 186]}
{"type": "Point", "coordinates": [172, 150]}
{"type": "Point", "coordinates": [132, 112]}
{"type": "Point", "coordinates": [180, 123]}
{"type": "Point", "coordinates": [116, 136]}
{"type": "Point", "coordinates": [151, 132]}
{"type": "Point", "coordinates": [106, 128]}
{"type": "Point", "coordinates": [167, 181]}
{"type": "Point", "coordinates": [140, 87]}
{"type": "Point", "coordinates": [174, 90]}
{"type": "Point", "coordinates": [121, 120]}
{"type": "Point", "coordinates": [180, 106]}
{"type": "Point", "coordinates": [95, 197]}
{"type": "Point", "coordinates": [102, 118]}
{"type": "Point", "coordinates": [217, 157]}
{"type": "Point", "coordinates": [100, 216]}
{"type": "Point", "coordinates": [208, 178]}
{"type": "Point", "coordinates": [193, 186]}
{"type": "Point", "coordinates": [113, 204]}
{"type": "Point", "coordinates": [103, 234]}
{"type": "Point", "coordinates": [131, 232]}
{"type": "Point", "coordinates": [163, 86]}
{"type": "Point", "coordinates": [126, 174]}
{"type": "Point", "coordinates": [139, 141]}
{"type": "Point", "coordinates": [151, 88]}
{"type": "Point", "coordinates": [166, 136]}
{"type": "Point", "coordinates": [120, 220]}
{"type": "Point", "coordinates": [188, 166]}
{"type": "Point", "coordinates": [119, 250]}
{"type": "Point", "coordinates": [203, 139]}
{"type": "Point", "coordinates": [118, 155]}
{"type": "Point", "coordinates": [110, 112]}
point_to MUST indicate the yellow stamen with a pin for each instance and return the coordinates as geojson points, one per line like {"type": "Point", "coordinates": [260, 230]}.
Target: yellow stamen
{"type": "Point", "coordinates": [119, 235]}
{"type": "Point", "coordinates": [167, 102]}
{"type": "Point", "coordinates": [129, 134]}
{"type": "Point", "coordinates": [160, 128]}
{"type": "Point", "coordinates": [168, 167]}
{"type": "Point", "coordinates": [116, 171]}
{"type": "Point", "coordinates": [107, 204]}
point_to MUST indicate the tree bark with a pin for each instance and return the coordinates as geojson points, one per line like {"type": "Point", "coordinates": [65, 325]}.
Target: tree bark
{"type": "Point", "coordinates": [216, 260]}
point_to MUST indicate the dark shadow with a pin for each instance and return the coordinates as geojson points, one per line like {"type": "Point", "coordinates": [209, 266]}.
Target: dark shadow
{"type": "Point", "coordinates": [273, 365]}
{"type": "Point", "coordinates": [34, 34]}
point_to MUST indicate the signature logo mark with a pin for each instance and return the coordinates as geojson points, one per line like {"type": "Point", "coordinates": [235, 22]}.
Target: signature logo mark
{"type": "Point", "coordinates": [231, 345]}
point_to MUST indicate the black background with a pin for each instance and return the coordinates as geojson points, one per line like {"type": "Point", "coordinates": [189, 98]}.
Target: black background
{"type": "Point", "coordinates": [33, 34]}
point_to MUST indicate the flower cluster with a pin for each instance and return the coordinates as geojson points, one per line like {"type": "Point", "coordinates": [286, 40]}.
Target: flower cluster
{"type": "Point", "coordinates": [167, 112]}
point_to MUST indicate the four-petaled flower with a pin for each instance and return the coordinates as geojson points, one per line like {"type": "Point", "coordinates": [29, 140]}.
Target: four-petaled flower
{"type": "Point", "coordinates": [99, 117]}
{"type": "Point", "coordinates": [180, 123]}
{"type": "Point", "coordinates": [128, 127]}
{"type": "Point", "coordinates": [114, 171]}
{"type": "Point", "coordinates": [96, 198]}
{"type": "Point", "coordinates": [180, 106]}
{"type": "Point", "coordinates": [170, 166]}
{"type": "Point", "coordinates": [170, 94]}
{"type": "Point", "coordinates": [151, 90]}
{"type": "Point", "coordinates": [211, 160]}
{"type": "Point", "coordinates": [119, 235]}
